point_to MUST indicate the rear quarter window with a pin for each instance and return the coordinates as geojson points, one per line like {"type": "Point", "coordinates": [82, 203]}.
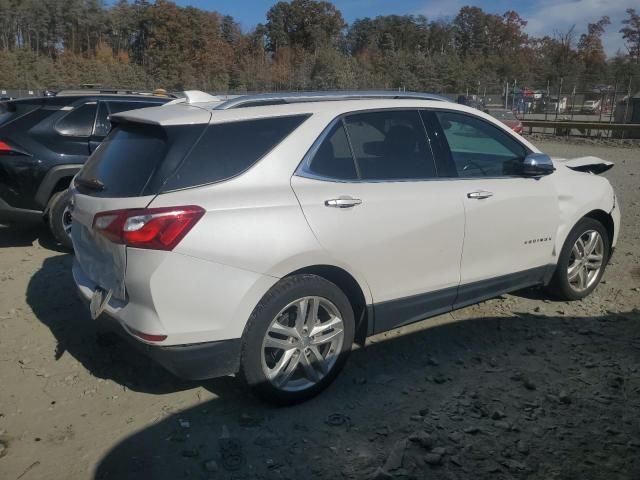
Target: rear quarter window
{"type": "Point", "coordinates": [226, 150]}
{"type": "Point", "coordinates": [79, 121]}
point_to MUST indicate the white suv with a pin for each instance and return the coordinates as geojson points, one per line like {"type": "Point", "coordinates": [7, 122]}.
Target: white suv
{"type": "Point", "coordinates": [264, 234]}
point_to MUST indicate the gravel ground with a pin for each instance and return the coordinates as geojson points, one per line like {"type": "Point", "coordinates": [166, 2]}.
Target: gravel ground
{"type": "Point", "coordinates": [516, 387]}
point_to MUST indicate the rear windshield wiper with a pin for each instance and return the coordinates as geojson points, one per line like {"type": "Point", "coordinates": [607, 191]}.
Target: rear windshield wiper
{"type": "Point", "coordinates": [90, 183]}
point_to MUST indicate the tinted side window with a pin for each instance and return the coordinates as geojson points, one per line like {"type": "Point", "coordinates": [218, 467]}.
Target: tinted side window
{"type": "Point", "coordinates": [228, 149]}
{"type": "Point", "coordinates": [480, 149]}
{"type": "Point", "coordinates": [390, 145]}
{"type": "Point", "coordinates": [333, 158]}
{"type": "Point", "coordinates": [79, 121]}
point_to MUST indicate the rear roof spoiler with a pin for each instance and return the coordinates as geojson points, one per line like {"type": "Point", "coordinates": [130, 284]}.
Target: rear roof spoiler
{"type": "Point", "coordinates": [193, 96]}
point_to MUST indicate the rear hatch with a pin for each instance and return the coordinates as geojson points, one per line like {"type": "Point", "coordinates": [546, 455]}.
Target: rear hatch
{"type": "Point", "coordinates": [125, 172]}
{"type": "Point", "coordinates": [140, 160]}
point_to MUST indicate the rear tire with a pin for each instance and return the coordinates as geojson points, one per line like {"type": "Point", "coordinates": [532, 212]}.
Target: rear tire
{"type": "Point", "coordinates": [59, 218]}
{"type": "Point", "coordinates": [582, 261]}
{"type": "Point", "coordinates": [297, 339]}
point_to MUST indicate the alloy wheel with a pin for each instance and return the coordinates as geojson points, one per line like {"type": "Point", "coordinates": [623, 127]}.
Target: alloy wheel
{"type": "Point", "coordinates": [586, 261]}
{"type": "Point", "coordinates": [67, 218]}
{"type": "Point", "coordinates": [302, 343]}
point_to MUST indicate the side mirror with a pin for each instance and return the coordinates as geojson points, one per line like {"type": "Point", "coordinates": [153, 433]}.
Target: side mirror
{"type": "Point", "coordinates": [537, 165]}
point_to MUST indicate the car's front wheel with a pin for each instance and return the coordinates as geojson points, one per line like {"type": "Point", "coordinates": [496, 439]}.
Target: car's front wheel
{"type": "Point", "coordinates": [60, 218]}
{"type": "Point", "coordinates": [582, 261]}
{"type": "Point", "coordinates": [297, 339]}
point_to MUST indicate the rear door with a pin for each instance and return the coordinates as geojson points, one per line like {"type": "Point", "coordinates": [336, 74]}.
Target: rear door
{"type": "Point", "coordinates": [510, 218]}
{"type": "Point", "coordinates": [370, 192]}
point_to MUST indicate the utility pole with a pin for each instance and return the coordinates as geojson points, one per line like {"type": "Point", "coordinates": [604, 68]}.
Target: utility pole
{"type": "Point", "coordinates": [506, 95]}
{"type": "Point", "coordinates": [559, 93]}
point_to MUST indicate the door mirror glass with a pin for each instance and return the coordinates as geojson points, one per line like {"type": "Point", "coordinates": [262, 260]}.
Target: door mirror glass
{"type": "Point", "coordinates": [537, 164]}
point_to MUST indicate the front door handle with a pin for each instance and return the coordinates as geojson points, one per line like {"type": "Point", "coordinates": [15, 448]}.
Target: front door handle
{"type": "Point", "coordinates": [342, 202]}
{"type": "Point", "coordinates": [479, 195]}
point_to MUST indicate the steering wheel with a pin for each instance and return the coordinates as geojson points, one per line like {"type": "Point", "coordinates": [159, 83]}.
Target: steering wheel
{"type": "Point", "coordinates": [472, 164]}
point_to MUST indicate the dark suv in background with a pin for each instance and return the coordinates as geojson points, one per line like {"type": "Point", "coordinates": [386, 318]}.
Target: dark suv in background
{"type": "Point", "coordinates": [44, 142]}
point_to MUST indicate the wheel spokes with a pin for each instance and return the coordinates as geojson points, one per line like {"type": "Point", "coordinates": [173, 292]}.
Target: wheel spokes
{"type": "Point", "coordinates": [574, 270]}
{"type": "Point", "coordinates": [590, 246]}
{"type": "Point", "coordinates": [283, 370]}
{"type": "Point", "coordinates": [582, 277]}
{"type": "Point", "coordinates": [278, 343]}
{"type": "Point", "coordinates": [309, 369]}
{"type": "Point", "coordinates": [320, 360]}
{"type": "Point", "coordinates": [283, 330]}
{"type": "Point", "coordinates": [327, 331]}
{"type": "Point", "coordinates": [594, 262]}
{"type": "Point", "coordinates": [307, 314]}
{"type": "Point", "coordinates": [578, 249]}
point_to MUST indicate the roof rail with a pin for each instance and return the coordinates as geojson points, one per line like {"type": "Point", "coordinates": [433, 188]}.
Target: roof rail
{"type": "Point", "coordinates": [262, 99]}
{"type": "Point", "coordinates": [106, 91]}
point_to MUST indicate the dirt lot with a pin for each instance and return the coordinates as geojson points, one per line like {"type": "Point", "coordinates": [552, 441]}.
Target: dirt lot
{"type": "Point", "coordinates": [517, 387]}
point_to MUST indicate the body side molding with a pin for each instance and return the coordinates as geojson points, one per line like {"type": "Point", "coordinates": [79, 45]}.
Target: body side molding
{"type": "Point", "coordinates": [403, 311]}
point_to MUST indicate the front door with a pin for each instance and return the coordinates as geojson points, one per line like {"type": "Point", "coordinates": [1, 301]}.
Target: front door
{"type": "Point", "coordinates": [510, 219]}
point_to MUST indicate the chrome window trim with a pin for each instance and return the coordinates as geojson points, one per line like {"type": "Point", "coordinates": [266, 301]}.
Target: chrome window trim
{"type": "Point", "coordinates": [303, 170]}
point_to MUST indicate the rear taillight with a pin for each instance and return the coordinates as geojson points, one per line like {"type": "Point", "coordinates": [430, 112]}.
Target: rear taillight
{"type": "Point", "coordinates": [8, 149]}
{"type": "Point", "coordinates": [153, 228]}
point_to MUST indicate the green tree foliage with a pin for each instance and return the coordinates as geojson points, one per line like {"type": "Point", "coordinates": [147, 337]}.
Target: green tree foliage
{"type": "Point", "coordinates": [631, 33]}
{"type": "Point", "coordinates": [309, 24]}
{"type": "Point", "coordinates": [591, 50]}
{"type": "Point", "coordinates": [304, 44]}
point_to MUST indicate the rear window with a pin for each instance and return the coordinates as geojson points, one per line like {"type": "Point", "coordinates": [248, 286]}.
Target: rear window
{"type": "Point", "coordinates": [124, 162]}
{"type": "Point", "coordinates": [10, 111]}
{"type": "Point", "coordinates": [228, 149]}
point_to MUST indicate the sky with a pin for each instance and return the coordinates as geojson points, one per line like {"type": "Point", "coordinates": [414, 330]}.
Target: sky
{"type": "Point", "coordinates": [543, 16]}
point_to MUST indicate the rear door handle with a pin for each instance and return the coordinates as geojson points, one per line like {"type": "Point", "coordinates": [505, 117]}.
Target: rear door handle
{"type": "Point", "coordinates": [342, 202]}
{"type": "Point", "coordinates": [479, 195]}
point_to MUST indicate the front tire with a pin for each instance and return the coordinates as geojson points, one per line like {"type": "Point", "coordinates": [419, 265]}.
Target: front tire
{"type": "Point", "coordinates": [59, 217]}
{"type": "Point", "coordinates": [582, 261]}
{"type": "Point", "coordinates": [297, 339]}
